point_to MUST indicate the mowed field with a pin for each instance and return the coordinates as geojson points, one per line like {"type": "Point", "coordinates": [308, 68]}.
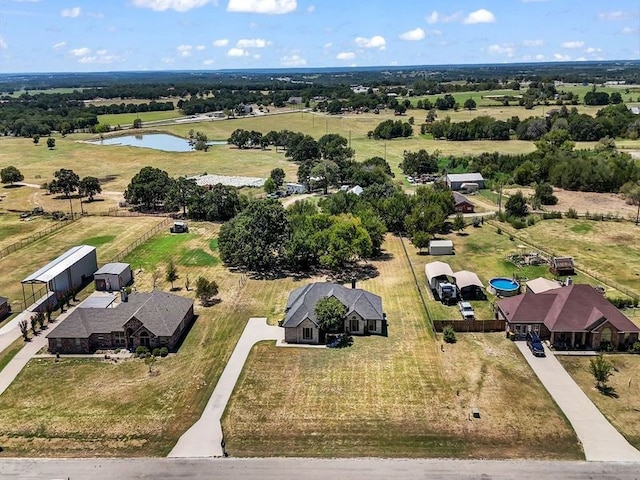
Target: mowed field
{"type": "Point", "coordinates": [395, 396]}
{"type": "Point", "coordinates": [123, 119]}
{"type": "Point", "coordinates": [110, 235]}
{"type": "Point", "coordinates": [622, 409]}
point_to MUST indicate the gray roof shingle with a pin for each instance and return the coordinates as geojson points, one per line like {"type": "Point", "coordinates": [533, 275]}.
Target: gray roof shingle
{"type": "Point", "coordinates": [302, 302]}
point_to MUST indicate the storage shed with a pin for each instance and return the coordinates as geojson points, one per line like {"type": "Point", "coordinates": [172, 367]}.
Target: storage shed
{"type": "Point", "coordinates": [5, 307]}
{"type": "Point", "coordinates": [455, 181]}
{"type": "Point", "coordinates": [469, 284]}
{"type": "Point", "coordinates": [113, 276]}
{"type": "Point", "coordinates": [68, 272]}
{"type": "Point", "coordinates": [440, 247]}
{"type": "Point", "coordinates": [562, 266]}
{"type": "Point", "coordinates": [436, 271]}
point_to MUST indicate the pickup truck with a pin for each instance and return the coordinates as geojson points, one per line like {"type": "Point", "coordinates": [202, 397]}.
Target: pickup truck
{"type": "Point", "coordinates": [466, 310]}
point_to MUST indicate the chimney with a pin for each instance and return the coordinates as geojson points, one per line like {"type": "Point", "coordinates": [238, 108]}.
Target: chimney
{"type": "Point", "coordinates": [353, 282]}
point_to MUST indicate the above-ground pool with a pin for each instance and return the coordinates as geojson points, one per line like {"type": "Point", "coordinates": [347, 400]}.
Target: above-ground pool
{"type": "Point", "coordinates": [505, 287]}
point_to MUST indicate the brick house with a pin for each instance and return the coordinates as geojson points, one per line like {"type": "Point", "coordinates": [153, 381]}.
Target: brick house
{"type": "Point", "coordinates": [461, 204]}
{"type": "Point", "coordinates": [154, 320]}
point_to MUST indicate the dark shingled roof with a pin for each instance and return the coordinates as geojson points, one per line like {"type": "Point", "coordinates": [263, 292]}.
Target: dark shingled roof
{"type": "Point", "coordinates": [573, 308]}
{"type": "Point", "coordinates": [160, 313]}
{"type": "Point", "coordinates": [459, 199]}
{"type": "Point", "coordinates": [3, 300]}
{"type": "Point", "coordinates": [302, 302]}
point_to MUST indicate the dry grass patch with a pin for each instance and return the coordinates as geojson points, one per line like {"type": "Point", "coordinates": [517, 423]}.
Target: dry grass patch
{"type": "Point", "coordinates": [393, 396]}
{"type": "Point", "coordinates": [621, 411]}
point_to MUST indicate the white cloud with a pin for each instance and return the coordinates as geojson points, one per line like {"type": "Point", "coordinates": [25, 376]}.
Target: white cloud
{"type": "Point", "coordinates": [436, 17]}
{"type": "Point", "coordinates": [100, 57]}
{"type": "Point", "coordinates": [71, 12]}
{"type": "Point", "coordinates": [252, 43]}
{"type": "Point", "coordinates": [480, 16]}
{"type": "Point", "coordinates": [413, 35]}
{"type": "Point", "coordinates": [256, 56]}
{"type": "Point", "coordinates": [222, 42]}
{"type": "Point", "coordinates": [630, 31]}
{"type": "Point", "coordinates": [167, 60]}
{"type": "Point", "coordinates": [533, 43]}
{"type": "Point", "coordinates": [611, 16]}
{"type": "Point", "coordinates": [540, 57]}
{"type": "Point", "coordinates": [80, 52]}
{"type": "Point", "coordinates": [311, 8]}
{"type": "Point", "coordinates": [593, 50]}
{"type": "Point", "coordinates": [184, 50]}
{"type": "Point", "coordinates": [561, 58]}
{"type": "Point", "coordinates": [200, 48]}
{"type": "Point", "coordinates": [294, 60]}
{"type": "Point", "coordinates": [177, 5]}
{"type": "Point", "coordinates": [327, 45]}
{"type": "Point", "coordinates": [580, 59]}
{"type": "Point", "coordinates": [346, 56]}
{"type": "Point", "coordinates": [271, 7]}
{"type": "Point", "coordinates": [502, 49]}
{"type": "Point", "coordinates": [237, 52]}
{"type": "Point", "coordinates": [59, 45]}
{"type": "Point", "coordinates": [101, 52]}
{"type": "Point", "coordinates": [572, 44]}
{"type": "Point", "coordinates": [208, 62]}
{"type": "Point", "coordinates": [376, 41]}
{"type": "Point", "coordinates": [3, 44]}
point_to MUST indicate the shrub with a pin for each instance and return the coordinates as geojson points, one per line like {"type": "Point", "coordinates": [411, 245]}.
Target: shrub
{"type": "Point", "coordinates": [635, 348]}
{"type": "Point", "coordinates": [141, 350]}
{"type": "Point", "coordinates": [164, 352]}
{"type": "Point", "coordinates": [621, 302]}
{"type": "Point", "coordinates": [499, 231]}
{"type": "Point", "coordinates": [572, 213]}
{"type": "Point", "coordinates": [476, 222]}
{"type": "Point", "coordinates": [449, 334]}
{"type": "Point", "coordinates": [517, 223]}
{"type": "Point", "coordinates": [551, 215]}
{"type": "Point", "coordinates": [531, 220]}
{"type": "Point", "coordinates": [155, 352]}
{"type": "Point", "coordinates": [116, 351]}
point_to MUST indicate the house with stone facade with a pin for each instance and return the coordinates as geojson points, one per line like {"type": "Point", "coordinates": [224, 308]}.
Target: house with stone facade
{"type": "Point", "coordinates": [154, 320]}
{"type": "Point", "coordinates": [364, 312]}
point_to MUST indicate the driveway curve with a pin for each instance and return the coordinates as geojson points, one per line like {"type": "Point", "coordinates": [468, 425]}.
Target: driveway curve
{"type": "Point", "coordinates": [600, 440]}
{"type": "Point", "coordinates": [204, 438]}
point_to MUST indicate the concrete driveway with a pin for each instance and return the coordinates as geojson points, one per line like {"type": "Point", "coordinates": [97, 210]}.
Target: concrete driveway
{"type": "Point", "coordinates": [600, 441]}
{"type": "Point", "coordinates": [204, 438]}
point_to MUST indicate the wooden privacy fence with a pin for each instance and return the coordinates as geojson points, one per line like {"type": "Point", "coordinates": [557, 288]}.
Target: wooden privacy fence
{"type": "Point", "coordinates": [465, 326]}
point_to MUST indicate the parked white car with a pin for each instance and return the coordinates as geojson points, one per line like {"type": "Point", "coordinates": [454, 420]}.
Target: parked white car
{"type": "Point", "coordinates": [466, 310]}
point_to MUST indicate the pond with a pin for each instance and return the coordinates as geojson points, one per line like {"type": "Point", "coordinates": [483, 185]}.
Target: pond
{"type": "Point", "coordinates": [156, 141]}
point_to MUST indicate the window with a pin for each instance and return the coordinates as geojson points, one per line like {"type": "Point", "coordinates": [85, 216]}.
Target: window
{"type": "Point", "coordinates": [118, 338]}
{"type": "Point", "coordinates": [307, 333]}
{"type": "Point", "coordinates": [354, 325]}
{"type": "Point", "coordinates": [371, 325]}
{"type": "Point", "coordinates": [144, 339]}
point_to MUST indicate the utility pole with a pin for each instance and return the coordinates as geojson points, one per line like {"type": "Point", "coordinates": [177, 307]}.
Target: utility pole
{"type": "Point", "coordinates": [71, 207]}
{"type": "Point", "coordinates": [499, 200]}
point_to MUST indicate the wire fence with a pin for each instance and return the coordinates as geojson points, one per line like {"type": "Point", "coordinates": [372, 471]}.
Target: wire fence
{"type": "Point", "coordinates": [119, 212]}
{"type": "Point", "coordinates": [34, 237]}
{"type": "Point", "coordinates": [415, 279]}
{"type": "Point", "coordinates": [140, 240]}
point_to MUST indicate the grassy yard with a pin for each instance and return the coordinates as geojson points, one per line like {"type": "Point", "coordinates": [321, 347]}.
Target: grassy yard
{"type": "Point", "coordinates": [621, 411]}
{"type": "Point", "coordinates": [397, 395]}
{"type": "Point", "coordinates": [122, 232]}
{"type": "Point", "coordinates": [128, 118]}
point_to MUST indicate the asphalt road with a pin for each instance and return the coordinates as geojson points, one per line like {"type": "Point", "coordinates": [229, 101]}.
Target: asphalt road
{"type": "Point", "coordinates": [309, 469]}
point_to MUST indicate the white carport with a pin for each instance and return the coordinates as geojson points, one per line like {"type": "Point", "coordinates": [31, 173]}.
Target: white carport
{"type": "Point", "coordinates": [435, 271]}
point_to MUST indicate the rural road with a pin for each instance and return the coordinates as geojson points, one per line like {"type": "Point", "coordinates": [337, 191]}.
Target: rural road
{"type": "Point", "coordinates": [204, 438]}
{"type": "Point", "coordinates": [600, 441]}
{"type": "Point", "coordinates": [309, 469]}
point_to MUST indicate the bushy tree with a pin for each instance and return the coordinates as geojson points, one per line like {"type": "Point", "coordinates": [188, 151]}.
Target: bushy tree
{"type": "Point", "coordinates": [206, 289]}
{"type": "Point", "coordinates": [89, 187]}
{"type": "Point", "coordinates": [470, 104]}
{"type": "Point", "coordinates": [419, 162]}
{"type": "Point", "coordinates": [277, 175]}
{"type": "Point", "coordinates": [516, 205]}
{"type": "Point", "coordinates": [66, 182]}
{"type": "Point", "coordinates": [330, 313]}
{"type": "Point", "coordinates": [11, 175]}
{"type": "Point", "coordinates": [544, 193]}
{"type": "Point", "coordinates": [458, 223]}
{"type": "Point", "coordinates": [51, 143]}
{"type": "Point", "coordinates": [171, 274]}
{"type": "Point", "coordinates": [601, 370]}
{"type": "Point", "coordinates": [149, 187]}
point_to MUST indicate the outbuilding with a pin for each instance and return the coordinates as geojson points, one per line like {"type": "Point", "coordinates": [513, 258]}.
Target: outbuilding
{"type": "Point", "coordinates": [113, 276]}
{"type": "Point", "coordinates": [5, 307]}
{"type": "Point", "coordinates": [293, 188]}
{"type": "Point", "coordinates": [469, 284]}
{"type": "Point", "coordinates": [455, 181]}
{"type": "Point", "coordinates": [70, 271]}
{"type": "Point", "coordinates": [440, 247]}
{"type": "Point", "coordinates": [436, 271]}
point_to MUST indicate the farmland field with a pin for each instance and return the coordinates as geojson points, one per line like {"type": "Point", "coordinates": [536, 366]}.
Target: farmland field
{"type": "Point", "coordinates": [128, 118]}
{"type": "Point", "coordinates": [394, 396]}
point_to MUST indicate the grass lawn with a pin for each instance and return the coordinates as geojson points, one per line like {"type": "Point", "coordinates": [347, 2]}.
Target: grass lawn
{"type": "Point", "coordinates": [397, 395]}
{"type": "Point", "coordinates": [115, 119]}
{"type": "Point", "coordinates": [621, 411]}
{"type": "Point", "coordinates": [122, 232]}
{"type": "Point", "coordinates": [8, 353]}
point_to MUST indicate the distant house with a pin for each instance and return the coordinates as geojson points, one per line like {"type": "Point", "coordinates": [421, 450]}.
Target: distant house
{"type": "Point", "coordinates": [5, 307]}
{"type": "Point", "coordinates": [574, 316]}
{"type": "Point", "coordinates": [357, 190]}
{"type": "Point", "coordinates": [457, 181]}
{"type": "Point", "coordinates": [364, 312]}
{"type": "Point", "coordinates": [461, 204]}
{"type": "Point", "coordinates": [635, 110]}
{"type": "Point", "coordinates": [112, 277]}
{"type": "Point", "coordinates": [440, 247]}
{"type": "Point", "coordinates": [296, 188]}
{"type": "Point", "coordinates": [562, 266]}
{"type": "Point", "coordinates": [154, 320]}
{"type": "Point", "coordinates": [294, 100]}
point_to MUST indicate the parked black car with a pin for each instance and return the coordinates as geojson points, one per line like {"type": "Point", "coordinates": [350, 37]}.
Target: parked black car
{"type": "Point", "coordinates": [535, 344]}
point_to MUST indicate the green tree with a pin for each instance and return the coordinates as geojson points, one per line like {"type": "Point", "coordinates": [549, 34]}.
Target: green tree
{"type": "Point", "coordinates": [421, 240]}
{"type": "Point", "coordinates": [36, 139]}
{"type": "Point", "coordinates": [544, 193]}
{"type": "Point", "coordinates": [458, 223]}
{"type": "Point", "coordinates": [330, 313]}
{"type": "Point", "coordinates": [277, 175]}
{"type": "Point", "coordinates": [10, 175]}
{"type": "Point", "coordinates": [346, 241]}
{"type": "Point", "coordinates": [39, 316]}
{"type": "Point", "coordinates": [516, 206]}
{"type": "Point", "coordinates": [555, 141]}
{"type": "Point", "coordinates": [66, 182]}
{"type": "Point", "coordinates": [149, 187]}
{"type": "Point", "coordinates": [419, 162]}
{"type": "Point", "coordinates": [601, 370]}
{"type": "Point", "coordinates": [270, 185]}
{"type": "Point", "coordinates": [51, 143]}
{"type": "Point", "coordinates": [24, 329]}
{"type": "Point", "coordinates": [89, 187]}
{"type": "Point", "coordinates": [205, 290]}
{"type": "Point", "coordinates": [179, 194]}
{"type": "Point", "coordinates": [325, 173]}
{"type": "Point", "coordinates": [470, 104]}
{"type": "Point", "coordinates": [171, 273]}
{"type": "Point", "coordinates": [137, 123]}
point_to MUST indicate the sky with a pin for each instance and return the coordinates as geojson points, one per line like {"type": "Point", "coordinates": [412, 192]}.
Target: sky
{"type": "Point", "coordinates": [125, 35]}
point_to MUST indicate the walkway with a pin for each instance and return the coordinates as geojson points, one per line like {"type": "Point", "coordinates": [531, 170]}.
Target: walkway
{"type": "Point", "coordinates": [600, 441]}
{"type": "Point", "coordinates": [204, 438]}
